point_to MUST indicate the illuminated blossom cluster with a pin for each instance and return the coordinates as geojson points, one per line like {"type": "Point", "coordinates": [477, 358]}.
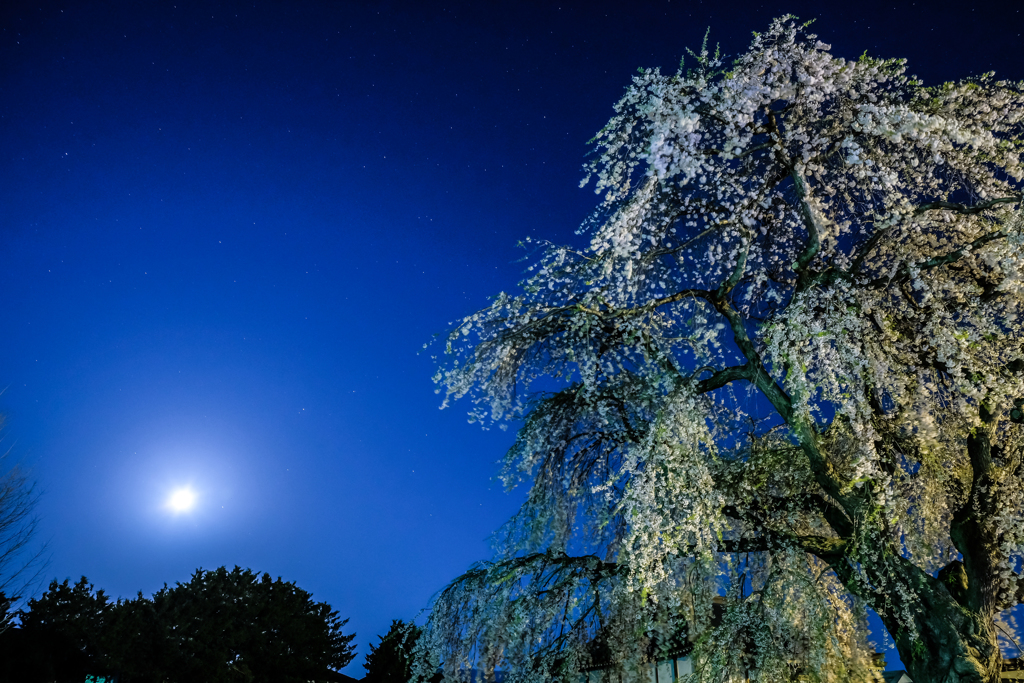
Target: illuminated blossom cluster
{"type": "Point", "coordinates": [781, 380]}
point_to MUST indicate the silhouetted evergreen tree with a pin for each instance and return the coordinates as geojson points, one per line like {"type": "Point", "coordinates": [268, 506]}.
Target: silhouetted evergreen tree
{"type": "Point", "coordinates": [391, 660]}
{"type": "Point", "coordinates": [222, 626]}
{"type": "Point", "coordinates": [238, 626]}
{"type": "Point", "coordinates": [60, 635]}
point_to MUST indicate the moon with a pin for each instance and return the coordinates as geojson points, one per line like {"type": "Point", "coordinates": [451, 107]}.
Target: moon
{"type": "Point", "coordinates": [182, 500]}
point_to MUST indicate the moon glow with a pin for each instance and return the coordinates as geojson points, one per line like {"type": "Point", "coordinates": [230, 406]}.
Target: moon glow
{"type": "Point", "coordinates": [181, 500]}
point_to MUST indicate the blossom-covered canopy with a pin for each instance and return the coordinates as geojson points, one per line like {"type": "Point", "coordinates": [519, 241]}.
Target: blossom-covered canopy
{"type": "Point", "coordinates": [786, 370]}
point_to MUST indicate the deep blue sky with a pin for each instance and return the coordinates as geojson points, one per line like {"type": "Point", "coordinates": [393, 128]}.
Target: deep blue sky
{"type": "Point", "coordinates": [227, 229]}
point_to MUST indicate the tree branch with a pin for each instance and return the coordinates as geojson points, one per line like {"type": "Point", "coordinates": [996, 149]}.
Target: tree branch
{"type": "Point", "coordinates": [904, 272]}
{"type": "Point", "coordinates": [757, 374]}
{"type": "Point", "coordinates": [835, 517]}
{"type": "Point", "coordinates": [809, 503]}
{"type": "Point", "coordinates": [958, 254]}
{"type": "Point", "coordinates": [711, 151]}
{"type": "Point", "coordinates": [827, 549]}
{"type": "Point", "coordinates": [932, 206]}
{"type": "Point", "coordinates": [803, 262]}
{"type": "Point", "coordinates": [963, 208]}
{"type": "Point", "coordinates": [803, 429]}
{"type": "Point", "coordinates": [722, 377]}
{"type": "Point", "coordinates": [737, 272]}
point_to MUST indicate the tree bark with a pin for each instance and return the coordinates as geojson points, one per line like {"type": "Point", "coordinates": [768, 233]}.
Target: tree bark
{"type": "Point", "coordinates": [945, 641]}
{"type": "Point", "coordinates": [954, 644]}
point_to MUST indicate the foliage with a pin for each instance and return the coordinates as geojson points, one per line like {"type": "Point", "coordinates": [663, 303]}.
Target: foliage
{"type": "Point", "coordinates": [6, 615]}
{"type": "Point", "coordinates": [60, 635]}
{"type": "Point", "coordinates": [136, 642]}
{"type": "Point", "coordinates": [220, 626]}
{"type": "Point", "coordinates": [784, 372]}
{"type": "Point", "coordinates": [235, 624]}
{"type": "Point", "coordinates": [390, 661]}
{"type": "Point", "coordinates": [78, 612]}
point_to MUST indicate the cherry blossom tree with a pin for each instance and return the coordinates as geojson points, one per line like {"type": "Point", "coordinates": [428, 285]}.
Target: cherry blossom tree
{"type": "Point", "coordinates": [786, 372]}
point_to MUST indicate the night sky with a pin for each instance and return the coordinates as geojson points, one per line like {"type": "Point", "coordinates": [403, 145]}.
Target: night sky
{"type": "Point", "coordinates": [228, 229]}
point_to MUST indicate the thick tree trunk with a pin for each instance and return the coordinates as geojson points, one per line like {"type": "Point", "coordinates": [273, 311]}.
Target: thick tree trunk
{"type": "Point", "coordinates": [943, 626]}
{"type": "Point", "coordinates": [947, 641]}
{"type": "Point", "coordinates": [955, 622]}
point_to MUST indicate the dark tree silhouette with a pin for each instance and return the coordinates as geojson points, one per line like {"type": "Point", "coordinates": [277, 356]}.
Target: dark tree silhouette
{"type": "Point", "coordinates": [222, 625]}
{"type": "Point", "coordinates": [390, 661]}
{"type": "Point", "coordinates": [236, 625]}
{"type": "Point", "coordinates": [60, 635]}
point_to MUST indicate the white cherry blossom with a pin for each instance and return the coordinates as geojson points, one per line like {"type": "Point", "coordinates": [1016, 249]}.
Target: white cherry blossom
{"type": "Point", "coordinates": [784, 373]}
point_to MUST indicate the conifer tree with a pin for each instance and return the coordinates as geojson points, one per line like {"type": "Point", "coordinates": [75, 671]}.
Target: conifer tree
{"type": "Point", "coordinates": [390, 661]}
